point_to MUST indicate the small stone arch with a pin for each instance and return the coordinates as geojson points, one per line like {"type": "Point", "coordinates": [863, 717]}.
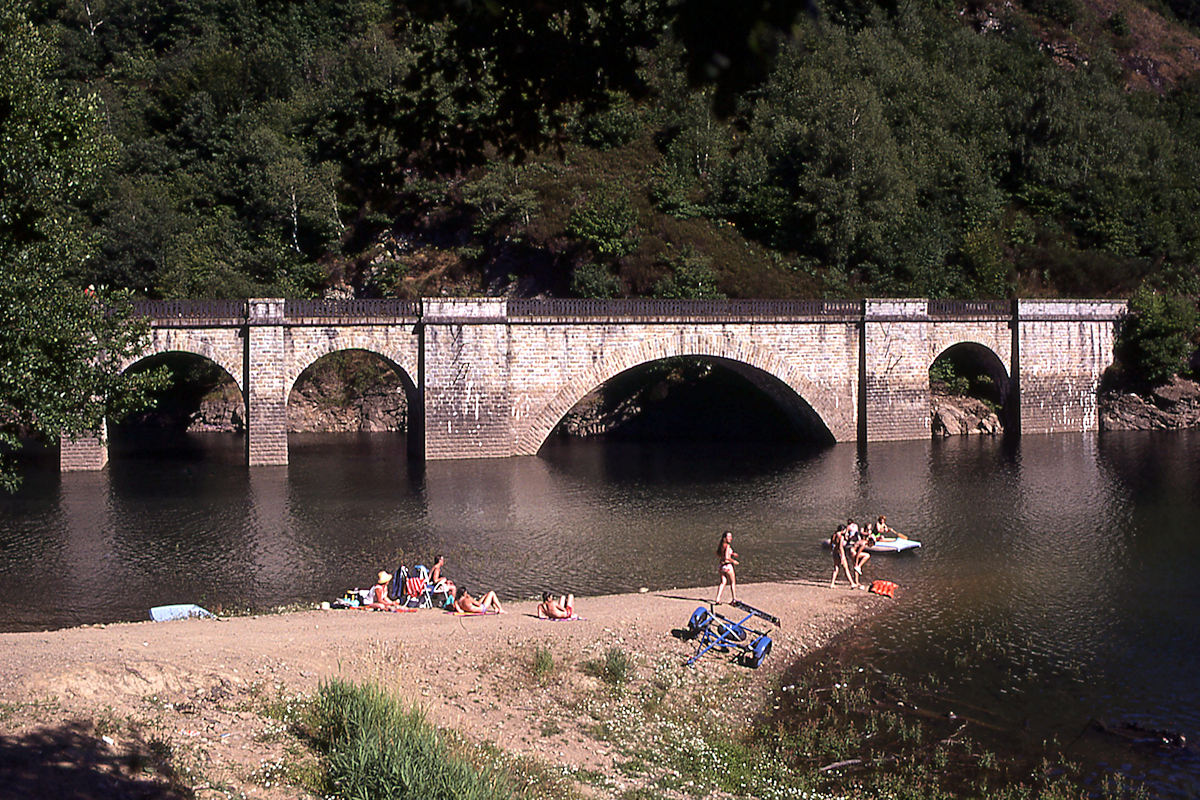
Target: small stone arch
{"type": "Point", "coordinates": [223, 347]}
{"type": "Point", "coordinates": [146, 356]}
{"type": "Point", "coordinates": [824, 404]}
{"type": "Point", "coordinates": [313, 356]}
{"type": "Point", "coordinates": [993, 365]}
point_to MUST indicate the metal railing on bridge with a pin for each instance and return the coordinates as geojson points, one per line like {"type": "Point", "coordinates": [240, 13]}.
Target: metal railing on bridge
{"type": "Point", "coordinates": [351, 309]}
{"type": "Point", "coordinates": [637, 308]}
{"type": "Point", "coordinates": [970, 308]}
{"type": "Point", "coordinates": [188, 311]}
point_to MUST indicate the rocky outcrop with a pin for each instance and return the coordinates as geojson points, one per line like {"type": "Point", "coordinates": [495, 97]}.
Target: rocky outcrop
{"type": "Point", "coordinates": [353, 393]}
{"type": "Point", "coordinates": [956, 415]}
{"type": "Point", "coordinates": [1172, 406]}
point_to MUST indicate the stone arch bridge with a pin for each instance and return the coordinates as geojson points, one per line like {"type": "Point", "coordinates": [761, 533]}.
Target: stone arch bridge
{"type": "Point", "coordinates": [492, 377]}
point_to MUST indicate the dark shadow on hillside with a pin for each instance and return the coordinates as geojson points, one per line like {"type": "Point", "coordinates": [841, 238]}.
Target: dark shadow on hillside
{"type": "Point", "coordinates": [70, 762]}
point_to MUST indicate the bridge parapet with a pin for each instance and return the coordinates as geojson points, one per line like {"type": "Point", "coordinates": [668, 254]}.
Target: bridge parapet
{"type": "Point", "coordinates": [190, 313]}
{"type": "Point", "coordinates": [647, 310]}
{"type": "Point", "coordinates": [350, 312]}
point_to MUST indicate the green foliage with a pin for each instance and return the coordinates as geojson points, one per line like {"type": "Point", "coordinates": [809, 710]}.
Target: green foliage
{"type": "Point", "coordinates": [691, 277]}
{"type": "Point", "coordinates": [594, 280]}
{"type": "Point", "coordinates": [889, 148]}
{"type": "Point", "coordinates": [1064, 12]}
{"type": "Point", "coordinates": [63, 347]}
{"type": "Point", "coordinates": [619, 123]}
{"type": "Point", "coordinates": [1117, 24]}
{"type": "Point", "coordinates": [1159, 335]}
{"type": "Point", "coordinates": [944, 376]}
{"type": "Point", "coordinates": [614, 667]}
{"type": "Point", "coordinates": [542, 666]}
{"type": "Point", "coordinates": [606, 221]}
{"type": "Point", "coordinates": [377, 749]}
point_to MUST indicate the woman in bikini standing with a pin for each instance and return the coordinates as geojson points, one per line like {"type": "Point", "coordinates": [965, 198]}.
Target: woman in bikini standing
{"type": "Point", "coordinates": [728, 559]}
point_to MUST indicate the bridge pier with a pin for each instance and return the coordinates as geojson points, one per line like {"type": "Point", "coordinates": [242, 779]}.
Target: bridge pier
{"type": "Point", "coordinates": [84, 453]}
{"type": "Point", "coordinates": [265, 384]}
{"type": "Point", "coordinates": [1064, 348]}
{"type": "Point", "coordinates": [895, 369]}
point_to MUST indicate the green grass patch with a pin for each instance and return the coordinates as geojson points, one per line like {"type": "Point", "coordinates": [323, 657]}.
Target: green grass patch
{"type": "Point", "coordinates": [614, 668]}
{"type": "Point", "coordinates": [376, 749]}
{"type": "Point", "coordinates": [542, 666]}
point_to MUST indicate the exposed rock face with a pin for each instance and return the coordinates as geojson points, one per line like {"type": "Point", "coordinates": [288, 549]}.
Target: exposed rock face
{"type": "Point", "coordinates": [955, 415]}
{"type": "Point", "coordinates": [1174, 405]}
{"type": "Point", "coordinates": [354, 393]}
{"type": "Point", "coordinates": [379, 409]}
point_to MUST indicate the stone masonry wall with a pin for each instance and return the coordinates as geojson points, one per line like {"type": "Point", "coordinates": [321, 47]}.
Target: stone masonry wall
{"type": "Point", "coordinates": [86, 453]}
{"type": "Point", "coordinates": [896, 377]}
{"type": "Point", "coordinates": [1065, 347]}
{"type": "Point", "coordinates": [901, 342]}
{"type": "Point", "coordinates": [817, 360]}
{"type": "Point", "coordinates": [467, 404]}
{"type": "Point", "coordinates": [493, 386]}
{"type": "Point", "coordinates": [266, 400]}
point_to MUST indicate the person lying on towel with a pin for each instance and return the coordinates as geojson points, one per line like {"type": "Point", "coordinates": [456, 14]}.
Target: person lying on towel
{"type": "Point", "coordinates": [469, 605]}
{"type": "Point", "coordinates": [562, 608]}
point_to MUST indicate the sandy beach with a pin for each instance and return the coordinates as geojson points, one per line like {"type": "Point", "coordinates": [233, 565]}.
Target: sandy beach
{"type": "Point", "coordinates": [88, 702]}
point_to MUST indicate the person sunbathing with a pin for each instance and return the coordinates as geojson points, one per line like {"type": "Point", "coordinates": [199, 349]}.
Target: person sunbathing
{"type": "Point", "coordinates": [563, 608]}
{"type": "Point", "coordinates": [469, 605]}
{"type": "Point", "coordinates": [379, 593]}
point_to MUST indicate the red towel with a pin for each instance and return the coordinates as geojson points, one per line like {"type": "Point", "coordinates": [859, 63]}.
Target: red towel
{"type": "Point", "coordinates": [414, 587]}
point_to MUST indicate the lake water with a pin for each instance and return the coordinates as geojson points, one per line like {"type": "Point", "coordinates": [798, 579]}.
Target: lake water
{"type": "Point", "coordinates": [1063, 569]}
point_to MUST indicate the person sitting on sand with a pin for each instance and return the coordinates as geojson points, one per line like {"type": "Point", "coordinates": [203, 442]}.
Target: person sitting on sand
{"type": "Point", "coordinates": [563, 608]}
{"type": "Point", "coordinates": [469, 605]}
{"type": "Point", "coordinates": [378, 598]}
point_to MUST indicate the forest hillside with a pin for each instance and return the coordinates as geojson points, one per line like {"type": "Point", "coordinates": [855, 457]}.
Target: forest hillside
{"type": "Point", "coordinates": [668, 148]}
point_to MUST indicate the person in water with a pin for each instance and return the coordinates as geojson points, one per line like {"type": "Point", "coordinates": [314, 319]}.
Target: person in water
{"type": "Point", "coordinates": [837, 544]}
{"type": "Point", "coordinates": [727, 559]}
{"type": "Point", "coordinates": [467, 604]}
{"type": "Point", "coordinates": [563, 608]}
{"type": "Point", "coordinates": [861, 550]}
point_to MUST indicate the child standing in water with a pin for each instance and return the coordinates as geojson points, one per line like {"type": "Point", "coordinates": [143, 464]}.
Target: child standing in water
{"type": "Point", "coordinates": [727, 558]}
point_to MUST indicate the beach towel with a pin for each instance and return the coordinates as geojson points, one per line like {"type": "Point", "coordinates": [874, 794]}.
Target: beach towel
{"type": "Point", "coordinates": [457, 613]}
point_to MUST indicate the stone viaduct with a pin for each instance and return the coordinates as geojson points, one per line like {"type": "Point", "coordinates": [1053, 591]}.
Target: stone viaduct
{"type": "Point", "coordinates": [492, 377]}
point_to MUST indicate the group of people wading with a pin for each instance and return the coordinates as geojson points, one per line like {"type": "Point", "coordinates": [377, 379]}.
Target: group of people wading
{"type": "Point", "coordinates": [851, 547]}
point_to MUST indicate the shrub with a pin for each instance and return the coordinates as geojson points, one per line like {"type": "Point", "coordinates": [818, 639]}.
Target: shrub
{"type": "Point", "coordinates": [1064, 12]}
{"type": "Point", "coordinates": [606, 221]}
{"type": "Point", "coordinates": [1157, 338]}
{"type": "Point", "coordinates": [594, 280]}
{"type": "Point", "coordinates": [543, 664]}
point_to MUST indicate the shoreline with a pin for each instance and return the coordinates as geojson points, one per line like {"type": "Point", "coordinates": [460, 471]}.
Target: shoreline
{"type": "Point", "coordinates": [189, 682]}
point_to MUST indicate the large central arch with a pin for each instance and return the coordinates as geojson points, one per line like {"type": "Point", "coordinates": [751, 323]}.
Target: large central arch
{"type": "Point", "coordinates": [794, 392]}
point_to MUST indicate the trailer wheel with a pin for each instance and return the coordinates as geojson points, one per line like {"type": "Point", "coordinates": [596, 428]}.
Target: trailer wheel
{"type": "Point", "coordinates": [760, 650]}
{"type": "Point", "coordinates": [699, 621]}
{"type": "Point", "coordinates": [731, 631]}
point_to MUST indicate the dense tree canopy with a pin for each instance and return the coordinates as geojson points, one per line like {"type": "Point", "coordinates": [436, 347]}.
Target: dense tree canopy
{"type": "Point", "coordinates": [843, 147]}
{"type": "Point", "coordinates": [62, 346]}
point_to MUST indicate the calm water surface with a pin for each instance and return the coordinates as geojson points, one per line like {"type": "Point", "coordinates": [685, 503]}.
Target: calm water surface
{"type": "Point", "coordinates": [1058, 582]}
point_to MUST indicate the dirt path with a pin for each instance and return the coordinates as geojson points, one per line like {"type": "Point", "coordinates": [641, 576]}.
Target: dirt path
{"type": "Point", "coordinates": [90, 707]}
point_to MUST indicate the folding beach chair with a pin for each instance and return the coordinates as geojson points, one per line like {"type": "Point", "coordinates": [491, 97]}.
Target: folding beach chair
{"type": "Point", "coordinates": [416, 589]}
